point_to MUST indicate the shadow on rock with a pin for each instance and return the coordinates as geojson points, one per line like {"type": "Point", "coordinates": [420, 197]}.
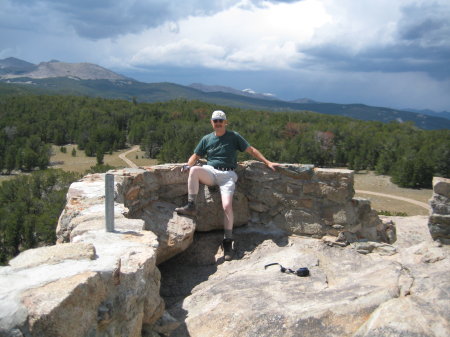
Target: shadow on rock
{"type": "Point", "coordinates": [184, 272]}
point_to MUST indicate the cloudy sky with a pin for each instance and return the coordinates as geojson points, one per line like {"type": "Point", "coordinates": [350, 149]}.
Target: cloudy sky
{"type": "Point", "coordinates": [393, 53]}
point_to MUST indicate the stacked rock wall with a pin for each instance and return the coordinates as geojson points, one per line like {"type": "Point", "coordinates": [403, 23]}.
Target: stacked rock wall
{"type": "Point", "coordinates": [439, 222]}
{"type": "Point", "coordinates": [298, 199]}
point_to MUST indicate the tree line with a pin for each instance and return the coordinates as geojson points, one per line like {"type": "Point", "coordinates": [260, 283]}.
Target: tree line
{"type": "Point", "coordinates": [30, 206]}
{"type": "Point", "coordinates": [169, 132]}
{"type": "Point", "coordinates": [29, 124]}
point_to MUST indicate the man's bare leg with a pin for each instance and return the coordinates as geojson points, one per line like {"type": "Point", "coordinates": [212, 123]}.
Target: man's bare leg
{"type": "Point", "coordinates": [228, 217]}
{"type": "Point", "coordinates": [197, 175]}
{"type": "Point", "coordinates": [228, 221]}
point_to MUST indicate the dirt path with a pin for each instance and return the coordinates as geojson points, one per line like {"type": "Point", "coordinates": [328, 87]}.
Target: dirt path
{"type": "Point", "coordinates": [123, 156]}
{"type": "Point", "coordinates": [415, 202]}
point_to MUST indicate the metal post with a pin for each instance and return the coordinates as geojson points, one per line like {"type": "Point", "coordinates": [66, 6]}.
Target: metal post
{"type": "Point", "coordinates": [109, 202]}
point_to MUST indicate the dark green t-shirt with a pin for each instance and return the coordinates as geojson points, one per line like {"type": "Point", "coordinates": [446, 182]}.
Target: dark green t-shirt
{"type": "Point", "coordinates": [221, 151]}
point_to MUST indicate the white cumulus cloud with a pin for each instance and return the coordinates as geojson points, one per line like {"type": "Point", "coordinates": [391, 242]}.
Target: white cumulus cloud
{"type": "Point", "coordinates": [241, 37]}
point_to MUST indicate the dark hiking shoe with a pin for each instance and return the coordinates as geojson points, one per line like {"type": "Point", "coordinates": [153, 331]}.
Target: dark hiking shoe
{"type": "Point", "coordinates": [189, 209]}
{"type": "Point", "coordinates": [227, 245]}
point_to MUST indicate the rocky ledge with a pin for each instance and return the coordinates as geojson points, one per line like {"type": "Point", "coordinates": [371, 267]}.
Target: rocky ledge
{"type": "Point", "coordinates": [394, 290]}
{"type": "Point", "coordinates": [366, 279]}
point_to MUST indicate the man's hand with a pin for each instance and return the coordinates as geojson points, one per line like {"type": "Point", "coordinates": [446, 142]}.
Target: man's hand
{"type": "Point", "coordinates": [258, 155]}
{"type": "Point", "coordinates": [185, 168]}
{"type": "Point", "coordinates": [272, 165]}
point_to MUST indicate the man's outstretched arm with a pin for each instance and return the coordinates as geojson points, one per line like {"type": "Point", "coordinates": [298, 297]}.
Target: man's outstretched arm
{"type": "Point", "coordinates": [258, 155]}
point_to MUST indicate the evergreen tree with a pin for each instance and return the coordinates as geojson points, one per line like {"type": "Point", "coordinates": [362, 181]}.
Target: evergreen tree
{"type": "Point", "coordinates": [100, 156]}
{"type": "Point", "coordinates": [10, 159]}
{"type": "Point", "coordinates": [30, 206]}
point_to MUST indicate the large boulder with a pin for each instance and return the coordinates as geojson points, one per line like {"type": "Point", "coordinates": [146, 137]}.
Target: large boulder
{"type": "Point", "coordinates": [210, 214]}
{"type": "Point", "coordinates": [101, 284]}
{"type": "Point", "coordinates": [175, 233]}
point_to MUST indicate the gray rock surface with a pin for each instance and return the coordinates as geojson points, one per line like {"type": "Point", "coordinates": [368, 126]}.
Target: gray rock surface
{"type": "Point", "coordinates": [175, 233]}
{"type": "Point", "coordinates": [53, 255]}
{"type": "Point", "coordinates": [347, 294]}
{"type": "Point", "coordinates": [66, 291]}
{"type": "Point", "coordinates": [369, 276]}
{"type": "Point", "coordinates": [84, 71]}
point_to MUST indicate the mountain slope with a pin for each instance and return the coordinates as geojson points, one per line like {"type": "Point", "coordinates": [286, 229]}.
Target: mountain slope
{"type": "Point", "coordinates": [16, 68]}
{"type": "Point", "coordinates": [443, 114]}
{"type": "Point", "coordinates": [157, 92]}
{"type": "Point", "coordinates": [20, 77]}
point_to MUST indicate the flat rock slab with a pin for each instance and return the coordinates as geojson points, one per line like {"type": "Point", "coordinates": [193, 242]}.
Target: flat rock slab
{"type": "Point", "coordinates": [347, 293]}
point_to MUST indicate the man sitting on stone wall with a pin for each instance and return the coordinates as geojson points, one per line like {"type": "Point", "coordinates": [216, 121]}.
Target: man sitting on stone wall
{"type": "Point", "coordinates": [220, 148]}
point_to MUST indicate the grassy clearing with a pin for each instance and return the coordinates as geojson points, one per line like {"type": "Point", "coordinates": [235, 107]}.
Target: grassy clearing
{"type": "Point", "coordinates": [369, 181]}
{"type": "Point", "coordinates": [80, 163]}
{"type": "Point", "coordinates": [6, 177]}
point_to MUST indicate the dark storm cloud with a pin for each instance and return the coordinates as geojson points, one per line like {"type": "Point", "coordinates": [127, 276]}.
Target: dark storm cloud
{"type": "Point", "coordinates": [421, 44]}
{"type": "Point", "coordinates": [97, 19]}
{"type": "Point", "coordinates": [434, 61]}
{"type": "Point", "coordinates": [425, 24]}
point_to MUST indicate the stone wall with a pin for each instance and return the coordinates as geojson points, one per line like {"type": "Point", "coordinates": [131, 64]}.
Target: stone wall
{"type": "Point", "coordinates": [95, 283]}
{"type": "Point", "coordinates": [439, 222]}
{"type": "Point", "coordinates": [298, 199]}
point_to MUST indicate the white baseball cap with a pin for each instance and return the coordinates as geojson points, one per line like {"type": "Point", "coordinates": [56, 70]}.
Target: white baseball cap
{"type": "Point", "coordinates": [218, 114]}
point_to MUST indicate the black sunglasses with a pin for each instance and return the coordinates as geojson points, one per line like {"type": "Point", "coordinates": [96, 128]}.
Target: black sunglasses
{"type": "Point", "coordinates": [218, 120]}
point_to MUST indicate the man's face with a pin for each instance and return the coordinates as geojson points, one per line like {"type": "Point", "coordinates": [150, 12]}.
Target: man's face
{"type": "Point", "coordinates": [218, 124]}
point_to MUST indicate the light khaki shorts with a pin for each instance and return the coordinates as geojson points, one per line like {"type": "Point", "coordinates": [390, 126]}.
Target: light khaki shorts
{"type": "Point", "coordinates": [225, 179]}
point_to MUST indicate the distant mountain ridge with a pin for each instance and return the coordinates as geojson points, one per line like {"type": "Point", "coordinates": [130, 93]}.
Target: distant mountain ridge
{"type": "Point", "coordinates": [15, 68]}
{"type": "Point", "coordinates": [304, 100]}
{"type": "Point", "coordinates": [244, 92]}
{"type": "Point", "coordinates": [54, 77]}
{"type": "Point", "coordinates": [443, 114]}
